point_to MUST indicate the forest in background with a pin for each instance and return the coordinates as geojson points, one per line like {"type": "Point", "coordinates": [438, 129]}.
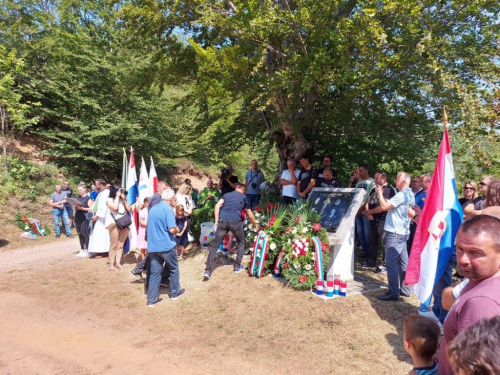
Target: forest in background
{"type": "Point", "coordinates": [221, 82]}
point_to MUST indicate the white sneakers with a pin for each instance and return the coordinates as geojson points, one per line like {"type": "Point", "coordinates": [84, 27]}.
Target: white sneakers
{"type": "Point", "coordinates": [83, 254]}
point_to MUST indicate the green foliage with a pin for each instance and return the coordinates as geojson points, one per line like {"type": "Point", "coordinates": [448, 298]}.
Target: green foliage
{"type": "Point", "coordinates": [200, 215]}
{"type": "Point", "coordinates": [14, 113]}
{"type": "Point", "coordinates": [26, 180]}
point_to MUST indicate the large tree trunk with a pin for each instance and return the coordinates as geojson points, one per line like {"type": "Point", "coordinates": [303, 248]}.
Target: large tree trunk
{"type": "Point", "coordinates": [289, 146]}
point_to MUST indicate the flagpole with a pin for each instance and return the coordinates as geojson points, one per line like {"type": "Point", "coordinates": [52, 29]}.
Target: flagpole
{"type": "Point", "coordinates": [445, 119]}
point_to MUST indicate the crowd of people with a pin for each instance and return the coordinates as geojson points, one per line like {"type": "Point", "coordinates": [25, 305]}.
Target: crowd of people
{"type": "Point", "coordinates": [387, 219]}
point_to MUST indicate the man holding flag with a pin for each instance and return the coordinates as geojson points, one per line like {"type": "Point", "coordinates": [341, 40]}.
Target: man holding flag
{"type": "Point", "coordinates": [432, 255]}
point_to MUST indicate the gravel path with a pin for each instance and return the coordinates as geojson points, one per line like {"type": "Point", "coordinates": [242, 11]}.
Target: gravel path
{"type": "Point", "coordinates": [39, 256]}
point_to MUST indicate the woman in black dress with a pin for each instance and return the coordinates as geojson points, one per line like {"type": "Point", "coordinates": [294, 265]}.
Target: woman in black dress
{"type": "Point", "coordinates": [81, 221]}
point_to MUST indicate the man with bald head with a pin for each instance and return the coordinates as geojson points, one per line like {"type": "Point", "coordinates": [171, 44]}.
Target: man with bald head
{"type": "Point", "coordinates": [156, 198]}
{"type": "Point", "coordinates": [397, 230]}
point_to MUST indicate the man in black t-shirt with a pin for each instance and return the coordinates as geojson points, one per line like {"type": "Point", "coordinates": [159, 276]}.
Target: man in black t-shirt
{"type": "Point", "coordinates": [327, 163]}
{"type": "Point", "coordinates": [374, 213]}
{"type": "Point", "coordinates": [328, 180]}
{"type": "Point", "coordinates": [227, 213]}
{"type": "Point", "coordinates": [228, 184]}
{"type": "Point", "coordinates": [307, 178]}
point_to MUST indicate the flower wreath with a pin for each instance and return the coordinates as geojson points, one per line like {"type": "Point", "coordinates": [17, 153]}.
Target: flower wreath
{"type": "Point", "coordinates": [31, 225]}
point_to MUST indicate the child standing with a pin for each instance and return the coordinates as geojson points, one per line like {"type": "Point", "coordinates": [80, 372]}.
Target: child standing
{"type": "Point", "coordinates": [181, 238]}
{"type": "Point", "coordinates": [143, 222]}
{"type": "Point", "coordinates": [421, 340]}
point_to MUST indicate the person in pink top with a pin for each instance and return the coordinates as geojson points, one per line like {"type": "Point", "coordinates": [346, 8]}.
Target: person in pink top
{"type": "Point", "coordinates": [478, 259]}
{"type": "Point", "coordinates": [141, 235]}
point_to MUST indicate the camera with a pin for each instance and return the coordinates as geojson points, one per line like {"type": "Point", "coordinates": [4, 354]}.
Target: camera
{"type": "Point", "coordinates": [124, 192]}
{"type": "Point", "coordinates": [254, 185]}
{"type": "Point", "coordinates": [225, 173]}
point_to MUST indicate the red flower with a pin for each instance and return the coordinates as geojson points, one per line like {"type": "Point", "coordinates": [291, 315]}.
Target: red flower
{"type": "Point", "coordinates": [264, 226]}
{"type": "Point", "coordinates": [268, 210]}
{"type": "Point", "coordinates": [285, 265]}
{"type": "Point", "coordinates": [317, 226]}
{"type": "Point", "coordinates": [270, 205]}
{"type": "Point", "coordinates": [302, 279]}
{"type": "Point", "coordinates": [287, 230]}
{"type": "Point", "coordinates": [324, 246]}
{"type": "Point", "coordinates": [297, 219]}
{"type": "Point", "coordinates": [279, 233]}
{"type": "Point", "coordinates": [277, 206]}
{"type": "Point", "coordinates": [273, 219]}
{"type": "Point", "coordinates": [258, 209]}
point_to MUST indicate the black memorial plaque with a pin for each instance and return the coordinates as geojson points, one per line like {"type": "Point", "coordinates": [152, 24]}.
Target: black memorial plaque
{"type": "Point", "coordinates": [332, 207]}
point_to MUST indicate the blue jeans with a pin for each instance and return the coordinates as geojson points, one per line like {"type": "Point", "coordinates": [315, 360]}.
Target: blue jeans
{"type": "Point", "coordinates": [61, 212]}
{"type": "Point", "coordinates": [363, 230]}
{"type": "Point", "coordinates": [443, 282]}
{"type": "Point", "coordinates": [156, 267]}
{"type": "Point", "coordinates": [396, 261]}
{"type": "Point", "coordinates": [253, 200]}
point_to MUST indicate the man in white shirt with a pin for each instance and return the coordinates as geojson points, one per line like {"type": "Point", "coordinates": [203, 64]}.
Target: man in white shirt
{"type": "Point", "coordinates": [288, 180]}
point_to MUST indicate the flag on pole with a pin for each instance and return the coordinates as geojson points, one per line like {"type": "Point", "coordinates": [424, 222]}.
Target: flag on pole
{"type": "Point", "coordinates": [144, 190]}
{"type": "Point", "coordinates": [437, 227]}
{"type": "Point", "coordinates": [124, 170]}
{"type": "Point", "coordinates": [132, 200]}
{"type": "Point", "coordinates": [153, 178]}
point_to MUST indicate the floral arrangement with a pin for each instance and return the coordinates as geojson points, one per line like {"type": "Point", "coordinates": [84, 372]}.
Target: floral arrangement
{"type": "Point", "coordinates": [290, 231]}
{"type": "Point", "coordinates": [31, 225]}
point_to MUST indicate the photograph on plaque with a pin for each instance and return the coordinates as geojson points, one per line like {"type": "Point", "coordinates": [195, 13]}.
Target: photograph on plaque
{"type": "Point", "coordinates": [331, 206]}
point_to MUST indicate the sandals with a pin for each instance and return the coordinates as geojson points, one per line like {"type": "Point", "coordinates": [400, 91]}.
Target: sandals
{"type": "Point", "coordinates": [111, 268]}
{"type": "Point", "coordinates": [118, 266]}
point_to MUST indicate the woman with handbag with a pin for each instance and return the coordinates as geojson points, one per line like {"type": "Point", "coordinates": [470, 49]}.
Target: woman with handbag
{"type": "Point", "coordinates": [117, 223]}
{"type": "Point", "coordinates": [81, 221]}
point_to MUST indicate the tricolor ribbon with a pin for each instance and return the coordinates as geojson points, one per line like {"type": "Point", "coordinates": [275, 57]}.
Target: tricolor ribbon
{"type": "Point", "coordinates": [259, 251]}
{"type": "Point", "coordinates": [318, 257]}
{"type": "Point", "coordinates": [277, 265]}
{"type": "Point", "coordinates": [38, 228]}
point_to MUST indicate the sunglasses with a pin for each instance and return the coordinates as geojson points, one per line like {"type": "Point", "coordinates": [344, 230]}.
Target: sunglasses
{"type": "Point", "coordinates": [469, 188]}
{"type": "Point", "coordinates": [483, 184]}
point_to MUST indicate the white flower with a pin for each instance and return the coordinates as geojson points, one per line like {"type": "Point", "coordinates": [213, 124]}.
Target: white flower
{"type": "Point", "coordinates": [256, 214]}
{"type": "Point", "coordinates": [289, 241]}
{"type": "Point", "coordinates": [294, 230]}
{"type": "Point", "coordinates": [308, 267]}
{"type": "Point", "coordinates": [304, 230]}
{"type": "Point", "coordinates": [272, 246]}
{"type": "Point", "coordinates": [296, 265]}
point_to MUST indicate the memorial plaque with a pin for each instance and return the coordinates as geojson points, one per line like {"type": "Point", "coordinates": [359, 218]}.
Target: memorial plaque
{"type": "Point", "coordinates": [332, 205]}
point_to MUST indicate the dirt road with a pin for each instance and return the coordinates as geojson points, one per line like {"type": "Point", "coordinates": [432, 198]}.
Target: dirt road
{"type": "Point", "coordinates": [67, 315]}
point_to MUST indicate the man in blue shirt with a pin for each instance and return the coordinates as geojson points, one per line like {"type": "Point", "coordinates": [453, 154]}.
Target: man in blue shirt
{"type": "Point", "coordinates": [228, 218]}
{"type": "Point", "coordinates": [161, 228]}
{"type": "Point", "coordinates": [397, 228]}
